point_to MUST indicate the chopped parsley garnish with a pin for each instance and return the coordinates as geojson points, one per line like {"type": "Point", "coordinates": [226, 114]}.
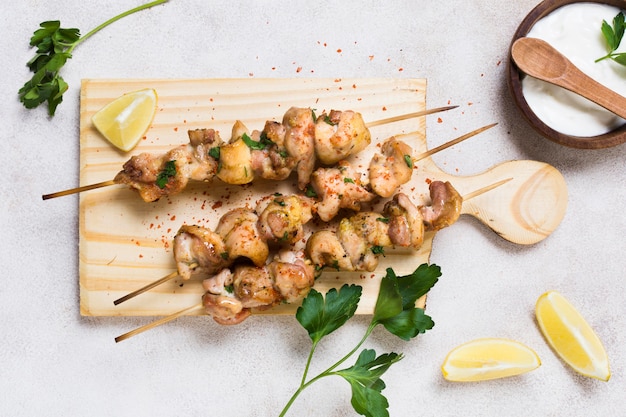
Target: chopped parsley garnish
{"type": "Point", "coordinates": [378, 250]}
{"type": "Point", "coordinates": [215, 153]}
{"type": "Point", "coordinates": [263, 143]}
{"type": "Point", "coordinates": [164, 176]}
{"type": "Point", "coordinates": [348, 180]}
{"type": "Point", "coordinates": [310, 192]}
{"type": "Point", "coordinates": [383, 219]}
{"type": "Point", "coordinates": [408, 160]}
{"type": "Point", "coordinates": [328, 120]}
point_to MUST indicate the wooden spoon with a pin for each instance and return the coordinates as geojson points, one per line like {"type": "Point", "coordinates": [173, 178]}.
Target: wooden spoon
{"type": "Point", "coordinates": [539, 59]}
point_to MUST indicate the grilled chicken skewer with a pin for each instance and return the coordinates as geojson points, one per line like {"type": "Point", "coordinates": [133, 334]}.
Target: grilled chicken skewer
{"type": "Point", "coordinates": [299, 143]}
{"type": "Point", "coordinates": [337, 188]}
{"type": "Point", "coordinates": [356, 246]}
{"type": "Point", "coordinates": [231, 294]}
{"type": "Point", "coordinates": [240, 233]}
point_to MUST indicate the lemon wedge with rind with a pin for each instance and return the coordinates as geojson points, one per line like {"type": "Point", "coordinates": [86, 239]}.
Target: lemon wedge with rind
{"type": "Point", "coordinates": [488, 358]}
{"type": "Point", "coordinates": [125, 120]}
{"type": "Point", "coordinates": [571, 337]}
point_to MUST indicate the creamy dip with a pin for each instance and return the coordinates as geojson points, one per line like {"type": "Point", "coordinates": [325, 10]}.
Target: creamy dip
{"type": "Point", "coordinates": [574, 30]}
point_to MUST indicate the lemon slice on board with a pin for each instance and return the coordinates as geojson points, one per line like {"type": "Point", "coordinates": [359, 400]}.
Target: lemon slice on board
{"type": "Point", "coordinates": [489, 358]}
{"type": "Point", "coordinates": [571, 337]}
{"type": "Point", "coordinates": [125, 120]}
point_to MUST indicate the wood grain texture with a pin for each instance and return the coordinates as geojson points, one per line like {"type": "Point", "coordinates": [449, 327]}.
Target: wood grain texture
{"type": "Point", "coordinates": [126, 243]}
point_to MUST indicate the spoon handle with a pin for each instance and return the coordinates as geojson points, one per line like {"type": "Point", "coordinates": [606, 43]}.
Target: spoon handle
{"type": "Point", "coordinates": [580, 83]}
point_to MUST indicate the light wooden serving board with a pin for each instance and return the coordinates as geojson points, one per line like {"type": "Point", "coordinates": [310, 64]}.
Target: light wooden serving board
{"type": "Point", "coordinates": [126, 243]}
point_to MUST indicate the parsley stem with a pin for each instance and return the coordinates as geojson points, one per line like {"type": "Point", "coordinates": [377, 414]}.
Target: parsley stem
{"type": "Point", "coordinates": [304, 384]}
{"type": "Point", "coordinates": [308, 363]}
{"type": "Point", "coordinates": [370, 328]}
{"type": "Point", "coordinates": [114, 19]}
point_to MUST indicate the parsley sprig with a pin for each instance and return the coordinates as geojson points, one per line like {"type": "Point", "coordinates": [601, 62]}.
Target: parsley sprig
{"type": "Point", "coordinates": [613, 36]}
{"type": "Point", "coordinates": [395, 310]}
{"type": "Point", "coordinates": [54, 47]}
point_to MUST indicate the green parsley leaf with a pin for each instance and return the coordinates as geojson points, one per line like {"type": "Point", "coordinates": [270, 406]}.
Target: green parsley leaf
{"type": "Point", "coordinates": [280, 202]}
{"type": "Point", "coordinates": [378, 250]}
{"type": "Point", "coordinates": [321, 317]}
{"type": "Point", "coordinates": [613, 36]}
{"type": "Point", "coordinates": [417, 284]}
{"type": "Point", "coordinates": [364, 379]}
{"type": "Point", "coordinates": [368, 368]}
{"type": "Point", "coordinates": [389, 301]}
{"type": "Point", "coordinates": [348, 181]}
{"type": "Point", "coordinates": [620, 58]}
{"type": "Point", "coordinates": [409, 323]}
{"type": "Point", "coordinates": [169, 171]}
{"type": "Point", "coordinates": [408, 160]}
{"type": "Point", "coordinates": [54, 47]}
{"type": "Point", "coordinates": [215, 153]}
{"type": "Point", "coordinates": [263, 143]}
{"type": "Point", "coordinates": [406, 290]}
{"type": "Point", "coordinates": [383, 219]}
{"type": "Point", "coordinates": [310, 192]}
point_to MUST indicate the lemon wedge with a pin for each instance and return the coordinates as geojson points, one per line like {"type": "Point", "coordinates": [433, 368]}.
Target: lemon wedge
{"type": "Point", "coordinates": [125, 120]}
{"type": "Point", "coordinates": [489, 358]}
{"type": "Point", "coordinates": [571, 337]}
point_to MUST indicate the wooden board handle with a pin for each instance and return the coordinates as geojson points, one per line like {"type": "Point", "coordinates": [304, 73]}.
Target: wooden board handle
{"type": "Point", "coordinates": [526, 209]}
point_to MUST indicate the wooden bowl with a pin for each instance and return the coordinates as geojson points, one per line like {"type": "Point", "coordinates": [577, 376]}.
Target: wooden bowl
{"type": "Point", "coordinates": [515, 76]}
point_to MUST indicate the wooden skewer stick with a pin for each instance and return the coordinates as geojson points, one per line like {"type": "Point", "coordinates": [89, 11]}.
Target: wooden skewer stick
{"type": "Point", "coordinates": [409, 116]}
{"type": "Point", "coordinates": [78, 189]}
{"type": "Point", "coordinates": [452, 142]}
{"type": "Point", "coordinates": [198, 306]}
{"type": "Point", "coordinates": [419, 157]}
{"type": "Point", "coordinates": [157, 323]}
{"type": "Point", "coordinates": [150, 286]}
{"type": "Point", "coordinates": [372, 124]}
{"type": "Point", "coordinates": [483, 190]}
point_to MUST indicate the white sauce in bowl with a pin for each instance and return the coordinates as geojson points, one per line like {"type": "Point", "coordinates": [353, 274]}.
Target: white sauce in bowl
{"type": "Point", "coordinates": [574, 30]}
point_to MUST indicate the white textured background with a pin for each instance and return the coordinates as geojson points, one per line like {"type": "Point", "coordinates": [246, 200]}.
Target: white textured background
{"type": "Point", "coordinates": [53, 362]}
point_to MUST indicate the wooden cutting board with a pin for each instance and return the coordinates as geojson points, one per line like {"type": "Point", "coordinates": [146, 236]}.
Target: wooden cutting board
{"type": "Point", "coordinates": [126, 243]}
